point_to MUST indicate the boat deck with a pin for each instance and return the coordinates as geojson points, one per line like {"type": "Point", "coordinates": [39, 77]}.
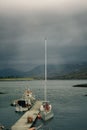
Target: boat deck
{"type": "Point", "coordinates": [22, 123]}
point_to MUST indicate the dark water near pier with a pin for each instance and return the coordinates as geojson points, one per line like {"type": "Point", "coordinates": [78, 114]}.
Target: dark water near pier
{"type": "Point", "coordinates": [69, 103]}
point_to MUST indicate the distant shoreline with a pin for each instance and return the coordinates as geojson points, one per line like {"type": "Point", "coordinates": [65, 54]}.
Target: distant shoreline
{"type": "Point", "coordinates": [16, 79]}
{"type": "Point", "coordinates": [35, 78]}
{"type": "Point", "coordinates": [80, 85]}
{"type": "Point", "coordinates": [2, 93]}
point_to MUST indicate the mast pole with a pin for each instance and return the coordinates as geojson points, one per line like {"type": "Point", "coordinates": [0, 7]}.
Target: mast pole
{"type": "Point", "coordinates": [45, 91]}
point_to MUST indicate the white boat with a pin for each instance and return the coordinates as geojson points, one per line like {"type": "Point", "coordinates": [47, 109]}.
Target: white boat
{"type": "Point", "coordinates": [46, 108]}
{"type": "Point", "coordinates": [26, 102]}
{"type": "Point", "coordinates": [22, 106]}
{"type": "Point", "coordinates": [46, 111]}
{"type": "Point", "coordinates": [26, 96]}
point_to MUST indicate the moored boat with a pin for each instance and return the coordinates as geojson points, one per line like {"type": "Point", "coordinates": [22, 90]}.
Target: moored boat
{"type": "Point", "coordinates": [46, 111]}
{"type": "Point", "coordinates": [46, 108]}
{"type": "Point", "coordinates": [24, 103]}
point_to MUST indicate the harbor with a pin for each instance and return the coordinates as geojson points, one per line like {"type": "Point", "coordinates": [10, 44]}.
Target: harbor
{"type": "Point", "coordinates": [65, 98]}
{"type": "Point", "coordinates": [23, 123]}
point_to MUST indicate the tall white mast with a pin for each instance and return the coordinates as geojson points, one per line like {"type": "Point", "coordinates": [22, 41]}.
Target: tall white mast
{"type": "Point", "coordinates": [45, 89]}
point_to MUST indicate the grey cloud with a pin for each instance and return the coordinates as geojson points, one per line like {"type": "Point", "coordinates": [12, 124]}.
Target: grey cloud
{"type": "Point", "coordinates": [22, 39]}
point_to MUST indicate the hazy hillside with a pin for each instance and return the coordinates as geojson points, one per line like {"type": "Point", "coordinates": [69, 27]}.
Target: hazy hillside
{"type": "Point", "coordinates": [10, 73]}
{"type": "Point", "coordinates": [63, 71]}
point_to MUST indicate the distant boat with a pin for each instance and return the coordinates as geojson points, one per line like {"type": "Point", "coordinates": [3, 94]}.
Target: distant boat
{"type": "Point", "coordinates": [26, 102]}
{"type": "Point", "coordinates": [46, 108]}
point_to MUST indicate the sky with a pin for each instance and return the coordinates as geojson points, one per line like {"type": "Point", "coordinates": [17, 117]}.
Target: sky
{"type": "Point", "coordinates": [24, 25]}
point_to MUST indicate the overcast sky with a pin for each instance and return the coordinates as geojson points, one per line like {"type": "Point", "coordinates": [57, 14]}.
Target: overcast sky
{"type": "Point", "coordinates": [24, 24]}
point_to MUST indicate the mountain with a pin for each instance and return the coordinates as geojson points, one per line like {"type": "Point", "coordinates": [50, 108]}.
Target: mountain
{"type": "Point", "coordinates": [63, 71]}
{"type": "Point", "coordinates": [10, 73]}
{"type": "Point", "coordinates": [36, 72]}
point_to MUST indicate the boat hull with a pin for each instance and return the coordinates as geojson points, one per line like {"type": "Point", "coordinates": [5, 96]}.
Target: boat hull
{"type": "Point", "coordinates": [46, 115]}
{"type": "Point", "coordinates": [21, 109]}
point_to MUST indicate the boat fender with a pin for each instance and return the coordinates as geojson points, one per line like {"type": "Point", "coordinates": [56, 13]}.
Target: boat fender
{"type": "Point", "coordinates": [29, 119]}
{"type": "Point", "coordinates": [39, 116]}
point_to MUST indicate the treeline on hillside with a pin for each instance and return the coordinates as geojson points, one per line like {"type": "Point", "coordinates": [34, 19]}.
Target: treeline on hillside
{"type": "Point", "coordinates": [78, 75]}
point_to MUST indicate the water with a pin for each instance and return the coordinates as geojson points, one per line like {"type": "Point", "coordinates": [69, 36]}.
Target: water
{"type": "Point", "coordinates": [69, 103]}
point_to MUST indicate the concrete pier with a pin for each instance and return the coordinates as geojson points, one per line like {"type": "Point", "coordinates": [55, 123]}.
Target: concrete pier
{"type": "Point", "coordinates": [22, 123]}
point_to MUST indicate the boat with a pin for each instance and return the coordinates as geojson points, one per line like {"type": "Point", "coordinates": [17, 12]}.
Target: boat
{"type": "Point", "coordinates": [46, 108]}
{"type": "Point", "coordinates": [1, 127]}
{"type": "Point", "coordinates": [46, 111]}
{"type": "Point", "coordinates": [22, 105]}
{"type": "Point", "coordinates": [26, 102]}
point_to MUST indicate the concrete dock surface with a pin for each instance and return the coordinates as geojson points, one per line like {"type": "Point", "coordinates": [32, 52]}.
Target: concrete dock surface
{"type": "Point", "coordinates": [22, 123]}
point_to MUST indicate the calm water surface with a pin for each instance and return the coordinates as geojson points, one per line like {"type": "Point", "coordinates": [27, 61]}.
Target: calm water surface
{"type": "Point", "coordinates": [69, 103]}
